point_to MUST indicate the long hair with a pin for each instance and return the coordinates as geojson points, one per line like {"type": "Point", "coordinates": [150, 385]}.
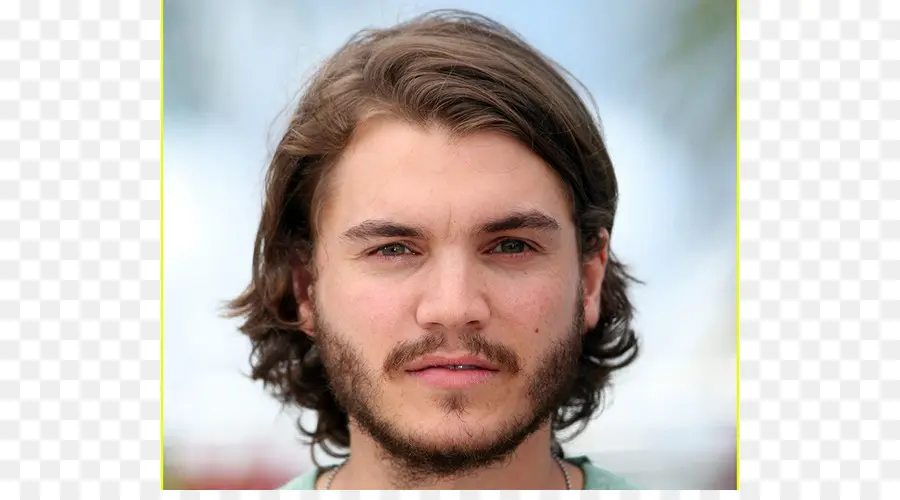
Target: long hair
{"type": "Point", "coordinates": [466, 73]}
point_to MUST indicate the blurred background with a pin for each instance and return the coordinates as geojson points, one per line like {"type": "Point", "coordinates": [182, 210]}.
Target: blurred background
{"type": "Point", "coordinates": [663, 77]}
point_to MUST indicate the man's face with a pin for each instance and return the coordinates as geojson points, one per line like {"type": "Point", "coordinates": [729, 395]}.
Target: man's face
{"type": "Point", "coordinates": [448, 305]}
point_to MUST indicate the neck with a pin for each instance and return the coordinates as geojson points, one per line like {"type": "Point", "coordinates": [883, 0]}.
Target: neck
{"type": "Point", "coordinates": [530, 467]}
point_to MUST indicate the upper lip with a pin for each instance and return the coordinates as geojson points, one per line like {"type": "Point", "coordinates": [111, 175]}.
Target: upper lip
{"type": "Point", "coordinates": [446, 360]}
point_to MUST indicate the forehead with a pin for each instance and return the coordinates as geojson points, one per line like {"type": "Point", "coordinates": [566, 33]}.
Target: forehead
{"type": "Point", "coordinates": [402, 172]}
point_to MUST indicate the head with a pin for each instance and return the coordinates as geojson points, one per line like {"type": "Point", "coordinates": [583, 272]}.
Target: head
{"type": "Point", "coordinates": [441, 193]}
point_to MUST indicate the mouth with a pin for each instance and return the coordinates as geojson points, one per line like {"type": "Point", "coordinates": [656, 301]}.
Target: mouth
{"type": "Point", "coordinates": [451, 362]}
{"type": "Point", "coordinates": [455, 368]}
{"type": "Point", "coordinates": [453, 373]}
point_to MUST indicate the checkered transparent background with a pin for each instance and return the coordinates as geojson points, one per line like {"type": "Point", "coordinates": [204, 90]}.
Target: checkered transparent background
{"type": "Point", "coordinates": [80, 253]}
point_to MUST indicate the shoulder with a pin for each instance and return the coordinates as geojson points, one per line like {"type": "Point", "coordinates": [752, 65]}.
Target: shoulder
{"type": "Point", "coordinates": [306, 481]}
{"type": "Point", "coordinates": [596, 478]}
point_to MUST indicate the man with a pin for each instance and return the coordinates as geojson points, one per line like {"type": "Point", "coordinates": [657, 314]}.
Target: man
{"type": "Point", "coordinates": [432, 273]}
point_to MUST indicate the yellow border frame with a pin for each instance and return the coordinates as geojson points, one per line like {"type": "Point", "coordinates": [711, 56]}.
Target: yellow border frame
{"type": "Point", "coordinates": [737, 244]}
{"type": "Point", "coordinates": [161, 248]}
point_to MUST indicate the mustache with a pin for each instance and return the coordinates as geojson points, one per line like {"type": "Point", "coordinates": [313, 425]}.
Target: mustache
{"type": "Point", "coordinates": [474, 342]}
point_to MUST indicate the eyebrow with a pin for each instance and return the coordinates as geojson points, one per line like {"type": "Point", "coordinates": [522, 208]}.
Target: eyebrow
{"type": "Point", "coordinates": [530, 219]}
{"type": "Point", "coordinates": [380, 228]}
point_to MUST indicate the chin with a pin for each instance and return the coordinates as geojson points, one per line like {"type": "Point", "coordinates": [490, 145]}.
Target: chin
{"type": "Point", "coordinates": [459, 439]}
{"type": "Point", "coordinates": [456, 428]}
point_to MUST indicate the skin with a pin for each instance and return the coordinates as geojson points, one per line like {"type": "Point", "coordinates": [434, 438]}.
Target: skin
{"type": "Point", "coordinates": [516, 288]}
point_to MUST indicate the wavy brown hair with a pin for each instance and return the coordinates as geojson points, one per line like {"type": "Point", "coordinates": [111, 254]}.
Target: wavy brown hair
{"type": "Point", "coordinates": [466, 73]}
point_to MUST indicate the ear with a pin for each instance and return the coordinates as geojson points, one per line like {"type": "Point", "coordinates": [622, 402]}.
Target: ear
{"type": "Point", "coordinates": [302, 283]}
{"type": "Point", "coordinates": [592, 272]}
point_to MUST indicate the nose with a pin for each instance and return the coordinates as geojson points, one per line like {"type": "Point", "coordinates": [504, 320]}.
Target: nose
{"type": "Point", "coordinates": [454, 295]}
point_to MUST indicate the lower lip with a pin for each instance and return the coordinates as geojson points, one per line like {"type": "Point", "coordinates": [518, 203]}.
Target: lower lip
{"type": "Point", "coordinates": [453, 379]}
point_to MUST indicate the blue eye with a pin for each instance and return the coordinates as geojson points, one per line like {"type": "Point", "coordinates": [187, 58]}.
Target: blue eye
{"type": "Point", "coordinates": [511, 246]}
{"type": "Point", "coordinates": [392, 250]}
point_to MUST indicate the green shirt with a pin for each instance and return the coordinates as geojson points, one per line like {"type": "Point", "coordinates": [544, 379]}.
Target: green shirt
{"type": "Point", "coordinates": [595, 478]}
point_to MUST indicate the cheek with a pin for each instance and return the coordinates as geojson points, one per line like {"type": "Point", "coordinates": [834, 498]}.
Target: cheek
{"type": "Point", "coordinates": [364, 311]}
{"type": "Point", "coordinates": [538, 310]}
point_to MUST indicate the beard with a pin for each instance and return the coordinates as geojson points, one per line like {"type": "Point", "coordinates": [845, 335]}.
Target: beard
{"type": "Point", "coordinates": [412, 457]}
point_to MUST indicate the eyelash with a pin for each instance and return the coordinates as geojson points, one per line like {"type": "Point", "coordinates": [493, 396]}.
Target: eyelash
{"type": "Point", "coordinates": [529, 248]}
